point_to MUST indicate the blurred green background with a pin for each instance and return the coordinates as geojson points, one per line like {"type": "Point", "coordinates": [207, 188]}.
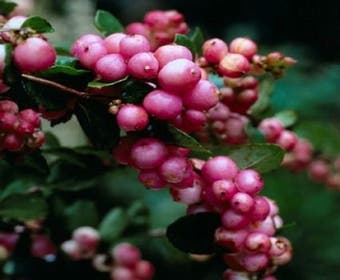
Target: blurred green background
{"type": "Point", "coordinates": [306, 30]}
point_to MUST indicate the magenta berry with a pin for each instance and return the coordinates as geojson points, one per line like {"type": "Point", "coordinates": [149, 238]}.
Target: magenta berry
{"type": "Point", "coordinates": [168, 53]}
{"type": "Point", "coordinates": [287, 140]}
{"type": "Point", "coordinates": [132, 117]}
{"type": "Point", "coordinates": [249, 181]}
{"type": "Point", "coordinates": [126, 255]}
{"type": "Point", "coordinates": [13, 142]}
{"type": "Point", "coordinates": [242, 202]}
{"type": "Point", "coordinates": [219, 168]}
{"type": "Point", "coordinates": [179, 75]}
{"type": "Point", "coordinates": [144, 270]}
{"type": "Point", "coordinates": [151, 179]}
{"type": "Point", "coordinates": [143, 65]}
{"type": "Point", "coordinates": [255, 262]}
{"type": "Point", "coordinates": [257, 242]}
{"type": "Point", "coordinates": [111, 67]}
{"type": "Point", "coordinates": [202, 97]}
{"type": "Point", "coordinates": [133, 44]}
{"type": "Point", "coordinates": [231, 239]}
{"type": "Point", "coordinates": [24, 128]}
{"type": "Point", "coordinates": [214, 50]}
{"type": "Point", "coordinates": [42, 246]}
{"type": "Point", "coordinates": [233, 65]}
{"type": "Point", "coordinates": [148, 153]}
{"type": "Point", "coordinates": [8, 122]}
{"type": "Point", "coordinates": [112, 42]}
{"type": "Point", "coordinates": [30, 116]}
{"type": "Point", "coordinates": [224, 190]}
{"type": "Point", "coordinates": [261, 209]}
{"type": "Point", "coordinates": [34, 55]}
{"type": "Point", "coordinates": [271, 128]}
{"type": "Point", "coordinates": [86, 237]}
{"type": "Point", "coordinates": [220, 112]}
{"type": "Point", "coordinates": [173, 169]}
{"type": "Point", "coordinates": [233, 220]}
{"type": "Point", "coordinates": [163, 105]}
{"type": "Point", "coordinates": [243, 46]}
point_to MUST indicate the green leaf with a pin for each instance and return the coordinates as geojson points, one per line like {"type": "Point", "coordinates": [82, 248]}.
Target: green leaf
{"type": "Point", "coordinates": [185, 140]}
{"type": "Point", "coordinates": [261, 157]}
{"type": "Point", "coordinates": [64, 69]}
{"type": "Point", "coordinates": [51, 140]}
{"type": "Point", "coordinates": [198, 39]}
{"type": "Point", "coordinates": [266, 89]}
{"type": "Point", "coordinates": [113, 225]}
{"type": "Point", "coordinates": [24, 206]}
{"type": "Point", "coordinates": [6, 7]}
{"type": "Point", "coordinates": [287, 117]}
{"type": "Point", "coordinates": [38, 24]}
{"type": "Point", "coordinates": [255, 135]}
{"type": "Point", "coordinates": [81, 213]}
{"type": "Point", "coordinates": [19, 186]}
{"type": "Point", "coordinates": [11, 74]}
{"type": "Point", "coordinates": [99, 125]}
{"type": "Point", "coordinates": [36, 162]}
{"type": "Point", "coordinates": [195, 233]}
{"type": "Point", "coordinates": [135, 91]}
{"type": "Point", "coordinates": [185, 41]}
{"type": "Point", "coordinates": [106, 23]}
{"type": "Point", "coordinates": [99, 85]}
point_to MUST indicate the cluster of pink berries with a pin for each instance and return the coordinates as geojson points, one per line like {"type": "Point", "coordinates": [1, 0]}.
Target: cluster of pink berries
{"type": "Point", "coordinates": [32, 53]}
{"type": "Point", "coordinates": [19, 130]}
{"type": "Point", "coordinates": [124, 261]}
{"type": "Point", "coordinates": [160, 27]}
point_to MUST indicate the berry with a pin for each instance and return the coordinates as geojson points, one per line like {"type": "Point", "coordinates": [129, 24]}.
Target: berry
{"type": "Point", "coordinates": [84, 41]}
{"type": "Point", "coordinates": [137, 28]}
{"type": "Point", "coordinates": [287, 140]}
{"type": "Point", "coordinates": [111, 67]}
{"type": "Point", "coordinates": [234, 221]}
{"type": "Point", "coordinates": [249, 181]}
{"type": "Point", "coordinates": [214, 50]}
{"type": "Point", "coordinates": [86, 237]}
{"type": "Point", "coordinates": [8, 107]}
{"type": "Point", "coordinates": [256, 262]}
{"type": "Point", "coordinates": [144, 270]}
{"type": "Point", "coordinates": [261, 209]}
{"type": "Point", "coordinates": [318, 170]}
{"type": "Point", "coordinates": [271, 128]}
{"type": "Point", "coordinates": [231, 239]}
{"type": "Point", "coordinates": [168, 53]}
{"type": "Point", "coordinates": [151, 179]}
{"type": "Point", "coordinates": [220, 112]}
{"type": "Point", "coordinates": [133, 44]}
{"type": "Point", "coordinates": [126, 255]}
{"type": "Point", "coordinates": [132, 117]}
{"type": "Point", "coordinates": [34, 55]}
{"type": "Point", "coordinates": [173, 169]}
{"type": "Point", "coordinates": [30, 116]}
{"type": "Point", "coordinates": [224, 190]}
{"type": "Point", "coordinates": [190, 195]}
{"type": "Point", "coordinates": [8, 122]}
{"type": "Point", "coordinates": [218, 168]}
{"type": "Point", "coordinates": [257, 242]}
{"type": "Point", "coordinates": [13, 142]}
{"type": "Point", "coordinates": [112, 42]}
{"type": "Point", "coordinates": [143, 65]}
{"type": "Point", "coordinates": [42, 246]}
{"type": "Point", "coordinates": [233, 65]}
{"type": "Point", "coordinates": [242, 202]}
{"type": "Point", "coordinates": [243, 46]}
{"type": "Point", "coordinates": [122, 273]}
{"type": "Point", "coordinates": [88, 54]}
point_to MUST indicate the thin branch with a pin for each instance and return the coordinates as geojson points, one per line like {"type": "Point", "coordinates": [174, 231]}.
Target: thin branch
{"type": "Point", "coordinates": [56, 85]}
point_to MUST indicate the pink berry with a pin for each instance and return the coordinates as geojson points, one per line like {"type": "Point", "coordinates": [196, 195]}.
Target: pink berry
{"type": "Point", "coordinates": [220, 112]}
{"type": "Point", "coordinates": [271, 128]}
{"type": "Point", "coordinates": [8, 106]}
{"type": "Point", "coordinates": [179, 75]}
{"type": "Point", "coordinates": [122, 273]}
{"type": "Point", "coordinates": [162, 105]}
{"type": "Point", "coordinates": [234, 221]}
{"type": "Point", "coordinates": [132, 117]}
{"type": "Point", "coordinates": [242, 202]}
{"type": "Point", "coordinates": [13, 142]}
{"type": "Point", "coordinates": [168, 53]}
{"type": "Point", "coordinates": [14, 23]}
{"type": "Point", "coordinates": [137, 28]}
{"type": "Point", "coordinates": [8, 122]}
{"type": "Point", "coordinates": [202, 97]}
{"type": "Point", "coordinates": [8, 240]}
{"type": "Point", "coordinates": [112, 42]}
{"type": "Point", "coordinates": [249, 181]}
{"type": "Point", "coordinates": [42, 246]}
{"type": "Point", "coordinates": [287, 140]}
{"type": "Point", "coordinates": [148, 153]}
{"type": "Point", "coordinates": [235, 275]}
{"type": "Point", "coordinates": [89, 54]}
{"type": "Point", "coordinates": [231, 239]}
{"type": "Point", "coordinates": [87, 238]}
{"type": "Point", "coordinates": [224, 190]}
{"type": "Point", "coordinates": [34, 55]}
{"type": "Point", "coordinates": [257, 242]}
{"type": "Point", "coordinates": [243, 46]}
{"type": "Point", "coordinates": [36, 140]}
{"type": "Point", "coordinates": [24, 128]}
{"type": "Point", "coordinates": [133, 44]}
{"type": "Point", "coordinates": [261, 209]}
{"type": "Point", "coordinates": [143, 65]}
{"type": "Point", "coordinates": [144, 270]}
{"type": "Point", "coordinates": [173, 169]}
{"type": "Point", "coordinates": [283, 259]}
{"type": "Point", "coordinates": [72, 249]}
{"type": "Point", "coordinates": [279, 245]}
{"type": "Point", "coordinates": [214, 50]}
{"type": "Point", "coordinates": [219, 168]}
{"type": "Point", "coordinates": [151, 179]}
{"type": "Point", "coordinates": [2, 58]}
{"type": "Point", "coordinates": [125, 254]}
{"type": "Point", "coordinates": [190, 120]}
{"type": "Point", "coordinates": [83, 42]}
{"type": "Point", "coordinates": [266, 226]}
{"type": "Point", "coordinates": [188, 196]}
{"type": "Point", "coordinates": [255, 262]}
{"type": "Point", "coordinates": [156, 19]}
{"type": "Point", "coordinates": [30, 116]}
{"type": "Point", "coordinates": [111, 67]}
{"type": "Point", "coordinates": [318, 170]}
{"type": "Point", "coordinates": [233, 65]}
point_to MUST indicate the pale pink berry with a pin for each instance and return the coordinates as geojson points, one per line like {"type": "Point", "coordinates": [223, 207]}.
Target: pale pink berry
{"type": "Point", "coordinates": [148, 153]}
{"type": "Point", "coordinates": [219, 168]}
{"type": "Point", "coordinates": [111, 67]}
{"type": "Point", "coordinates": [198, 208]}
{"type": "Point", "coordinates": [257, 242]}
{"type": "Point", "coordinates": [224, 190]}
{"type": "Point", "coordinates": [243, 46]}
{"type": "Point", "coordinates": [271, 128]}
{"type": "Point", "coordinates": [202, 97]}
{"type": "Point", "coordinates": [235, 275]}
{"type": "Point", "coordinates": [143, 65]}
{"type": "Point", "coordinates": [261, 209]}
{"type": "Point", "coordinates": [255, 262]}
{"type": "Point", "coordinates": [242, 202]}
{"type": "Point", "coordinates": [14, 23]}
{"type": "Point", "coordinates": [34, 55]}
{"type": "Point", "coordinates": [279, 245]}
{"type": "Point", "coordinates": [233, 65]}
{"type": "Point", "coordinates": [72, 249]}
{"type": "Point", "coordinates": [283, 259]}
{"type": "Point", "coordinates": [231, 239]}
{"type": "Point", "coordinates": [89, 54]}
{"type": "Point", "coordinates": [133, 44]}
{"type": "Point", "coordinates": [266, 226]}
{"type": "Point", "coordinates": [214, 50]}
{"type": "Point", "coordinates": [151, 179]}
{"type": "Point", "coordinates": [137, 28]}
{"type": "Point", "coordinates": [112, 42]}
{"type": "Point", "coordinates": [173, 169]}
{"type": "Point", "coordinates": [168, 53]}
{"type": "Point", "coordinates": [179, 75]}
{"type": "Point", "coordinates": [249, 181]}
{"type": "Point", "coordinates": [163, 105]}
{"type": "Point", "coordinates": [87, 238]}
{"type": "Point", "coordinates": [132, 117]}
{"type": "Point", "coordinates": [83, 42]}
{"type": "Point", "coordinates": [122, 273]}
{"type": "Point", "coordinates": [287, 140]}
{"type": "Point", "coordinates": [2, 58]}
{"type": "Point", "coordinates": [188, 196]}
{"type": "Point", "coordinates": [125, 254]}
{"type": "Point", "coordinates": [233, 220]}
{"type": "Point", "coordinates": [144, 270]}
